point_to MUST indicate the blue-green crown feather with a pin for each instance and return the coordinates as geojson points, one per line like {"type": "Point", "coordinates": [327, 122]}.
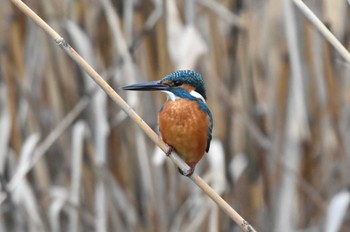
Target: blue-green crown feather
{"type": "Point", "coordinates": [188, 77]}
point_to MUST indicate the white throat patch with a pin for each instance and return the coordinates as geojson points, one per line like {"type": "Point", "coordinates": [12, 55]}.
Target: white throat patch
{"type": "Point", "coordinates": [173, 97]}
{"type": "Point", "coordinates": [170, 95]}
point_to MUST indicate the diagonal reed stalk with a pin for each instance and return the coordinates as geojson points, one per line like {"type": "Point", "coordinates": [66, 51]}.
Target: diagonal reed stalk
{"type": "Point", "coordinates": [245, 226]}
{"type": "Point", "coordinates": [326, 33]}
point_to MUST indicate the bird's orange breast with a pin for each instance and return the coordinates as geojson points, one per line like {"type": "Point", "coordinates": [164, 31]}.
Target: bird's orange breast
{"type": "Point", "coordinates": [184, 126]}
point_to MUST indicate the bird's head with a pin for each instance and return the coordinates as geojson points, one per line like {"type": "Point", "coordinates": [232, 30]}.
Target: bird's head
{"type": "Point", "coordinates": [175, 84]}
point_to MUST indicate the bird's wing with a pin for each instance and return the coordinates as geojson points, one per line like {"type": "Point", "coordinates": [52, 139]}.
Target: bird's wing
{"type": "Point", "coordinates": [209, 129]}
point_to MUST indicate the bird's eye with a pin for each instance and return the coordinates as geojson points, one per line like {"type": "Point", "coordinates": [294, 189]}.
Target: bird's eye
{"type": "Point", "coordinates": [177, 83]}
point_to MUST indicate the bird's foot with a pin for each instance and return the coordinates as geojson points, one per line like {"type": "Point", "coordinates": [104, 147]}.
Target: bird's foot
{"type": "Point", "coordinates": [170, 150]}
{"type": "Point", "coordinates": [187, 173]}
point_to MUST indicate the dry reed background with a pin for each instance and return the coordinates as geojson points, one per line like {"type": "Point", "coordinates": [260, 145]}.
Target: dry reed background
{"type": "Point", "coordinates": [279, 93]}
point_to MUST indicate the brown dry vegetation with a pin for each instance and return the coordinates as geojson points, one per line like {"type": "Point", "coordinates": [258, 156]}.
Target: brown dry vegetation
{"type": "Point", "coordinates": [279, 93]}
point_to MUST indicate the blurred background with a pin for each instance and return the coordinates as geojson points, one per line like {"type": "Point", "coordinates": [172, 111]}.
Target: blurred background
{"type": "Point", "coordinates": [71, 160]}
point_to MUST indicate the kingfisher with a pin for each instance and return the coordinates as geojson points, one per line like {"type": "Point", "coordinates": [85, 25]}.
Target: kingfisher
{"type": "Point", "coordinates": [185, 121]}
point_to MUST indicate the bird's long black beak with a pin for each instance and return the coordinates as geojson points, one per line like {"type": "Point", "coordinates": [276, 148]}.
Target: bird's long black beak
{"type": "Point", "coordinates": [148, 86]}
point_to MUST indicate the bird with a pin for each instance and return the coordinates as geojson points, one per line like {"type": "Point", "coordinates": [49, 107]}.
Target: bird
{"type": "Point", "coordinates": [185, 121]}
